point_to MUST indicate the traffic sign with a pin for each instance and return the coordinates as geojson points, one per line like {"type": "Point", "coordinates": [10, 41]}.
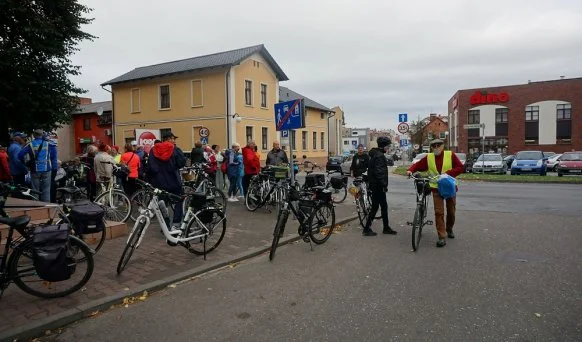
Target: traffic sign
{"type": "Point", "coordinates": [403, 117]}
{"type": "Point", "coordinates": [204, 140]}
{"type": "Point", "coordinates": [403, 142]}
{"type": "Point", "coordinates": [289, 115]}
{"type": "Point", "coordinates": [285, 134]}
{"type": "Point", "coordinates": [471, 126]}
{"type": "Point", "coordinates": [403, 128]}
{"type": "Point", "coordinates": [204, 132]}
{"type": "Point", "coordinates": [416, 146]}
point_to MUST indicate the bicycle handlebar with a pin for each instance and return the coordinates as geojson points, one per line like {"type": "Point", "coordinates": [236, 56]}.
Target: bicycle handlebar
{"type": "Point", "coordinates": [152, 188]}
{"type": "Point", "coordinates": [9, 188]}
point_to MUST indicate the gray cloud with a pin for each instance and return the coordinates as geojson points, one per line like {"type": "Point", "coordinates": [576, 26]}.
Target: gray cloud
{"type": "Point", "coordinates": [374, 58]}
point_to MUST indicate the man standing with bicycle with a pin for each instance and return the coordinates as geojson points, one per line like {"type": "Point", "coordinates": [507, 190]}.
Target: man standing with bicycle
{"type": "Point", "coordinates": [360, 162]}
{"type": "Point", "coordinates": [378, 179]}
{"type": "Point", "coordinates": [440, 162]}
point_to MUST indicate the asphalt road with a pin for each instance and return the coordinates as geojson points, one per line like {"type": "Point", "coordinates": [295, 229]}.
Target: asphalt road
{"type": "Point", "coordinates": [514, 273]}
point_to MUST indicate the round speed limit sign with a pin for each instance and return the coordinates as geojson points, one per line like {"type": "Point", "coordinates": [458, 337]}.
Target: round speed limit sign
{"type": "Point", "coordinates": [204, 132]}
{"type": "Point", "coordinates": [403, 128]}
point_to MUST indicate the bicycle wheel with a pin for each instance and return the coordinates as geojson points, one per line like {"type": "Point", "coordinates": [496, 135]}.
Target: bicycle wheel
{"type": "Point", "coordinates": [139, 200]}
{"type": "Point", "coordinates": [338, 195]}
{"type": "Point", "coordinates": [24, 275]}
{"type": "Point", "coordinates": [219, 199]}
{"type": "Point", "coordinates": [322, 223]}
{"type": "Point", "coordinates": [94, 241]}
{"type": "Point", "coordinates": [417, 224]}
{"type": "Point", "coordinates": [216, 229]}
{"type": "Point", "coordinates": [363, 210]}
{"type": "Point", "coordinates": [118, 208]}
{"type": "Point", "coordinates": [253, 197]}
{"type": "Point", "coordinates": [278, 232]}
{"type": "Point", "coordinates": [131, 244]}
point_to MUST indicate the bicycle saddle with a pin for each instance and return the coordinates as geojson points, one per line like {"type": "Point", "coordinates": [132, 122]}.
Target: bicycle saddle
{"type": "Point", "coordinates": [18, 221]}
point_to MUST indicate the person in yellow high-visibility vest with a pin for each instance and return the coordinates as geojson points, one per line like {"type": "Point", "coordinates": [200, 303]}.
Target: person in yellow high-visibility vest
{"type": "Point", "coordinates": [440, 162]}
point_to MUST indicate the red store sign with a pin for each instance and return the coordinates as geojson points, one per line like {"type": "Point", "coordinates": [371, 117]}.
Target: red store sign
{"type": "Point", "coordinates": [484, 98]}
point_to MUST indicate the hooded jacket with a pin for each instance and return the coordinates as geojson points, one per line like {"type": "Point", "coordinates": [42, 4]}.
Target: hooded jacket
{"type": "Point", "coordinates": [164, 164]}
{"type": "Point", "coordinates": [252, 164]}
{"type": "Point", "coordinates": [378, 169]}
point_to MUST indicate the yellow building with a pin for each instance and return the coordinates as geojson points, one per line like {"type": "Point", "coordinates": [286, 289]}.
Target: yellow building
{"type": "Point", "coordinates": [231, 93]}
{"type": "Point", "coordinates": [313, 140]}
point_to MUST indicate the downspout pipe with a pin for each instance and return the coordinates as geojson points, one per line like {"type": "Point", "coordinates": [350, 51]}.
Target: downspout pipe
{"type": "Point", "coordinates": [112, 112]}
{"type": "Point", "coordinates": [227, 81]}
{"type": "Point", "coordinates": [329, 116]}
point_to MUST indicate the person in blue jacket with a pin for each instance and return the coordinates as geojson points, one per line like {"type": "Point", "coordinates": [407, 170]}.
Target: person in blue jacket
{"type": "Point", "coordinates": [40, 157]}
{"type": "Point", "coordinates": [233, 170]}
{"type": "Point", "coordinates": [17, 169]}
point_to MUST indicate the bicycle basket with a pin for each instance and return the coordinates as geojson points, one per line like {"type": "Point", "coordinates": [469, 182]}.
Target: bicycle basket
{"type": "Point", "coordinates": [422, 185]}
{"type": "Point", "coordinates": [338, 182]}
{"type": "Point", "coordinates": [314, 179]}
{"type": "Point", "coordinates": [353, 189]}
{"type": "Point", "coordinates": [189, 176]}
{"type": "Point", "coordinates": [280, 172]}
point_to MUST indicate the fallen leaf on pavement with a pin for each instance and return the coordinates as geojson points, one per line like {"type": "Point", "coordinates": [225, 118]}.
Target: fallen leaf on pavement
{"type": "Point", "coordinates": [538, 315]}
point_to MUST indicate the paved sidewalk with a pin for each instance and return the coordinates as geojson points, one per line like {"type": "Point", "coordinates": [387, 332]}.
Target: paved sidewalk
{"type": "Point", "coordinates": [152, 266]}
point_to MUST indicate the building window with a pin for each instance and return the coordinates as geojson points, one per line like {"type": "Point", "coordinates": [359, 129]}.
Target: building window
{"type": "Point", "coordinates": [165, 96]}
{"type": "Point", "coordinates": [87, 124]}
{"type": "Point", "coordinates": [473, 118]}
{"type": "Point", "coordinates": [564, 121]}
{"type": "Point", "coordinates": [304, 140]}
{"type": "Point", "coordinates": [248, 93]}
{"type": "Point", "coordinates": [532, 115]}
{"type": "Point", "coordinates": [346, 142]}
{"type": "Point", "coordinates": [135, 101]}
{"type": "Point", "coordinates": [264, 137]}
{"type": "Point", "coordinates": [292, 139]}
{"type": "Point", "coordinates": [249, 133]}
{"type": "Point", "coordinates": [196, 93]}
{"type": "Point", "coordinates": [263, 95]}
{"type": "Point", "coordinates": [322, 116]}
{"type": "Point", "coordinates": [501, 126]}
{"type": "Point", "coordinates": [322, 144]}
{"type": "Point", "coordinates": [442, 135]}
{"type": "Point", "coordinates": [314, 141]}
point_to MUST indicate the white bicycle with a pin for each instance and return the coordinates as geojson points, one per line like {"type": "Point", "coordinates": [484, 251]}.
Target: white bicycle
{"type": "Point", "coordinates": [116, 202]}
{"type": "Point", "coordinates": [201, 231]}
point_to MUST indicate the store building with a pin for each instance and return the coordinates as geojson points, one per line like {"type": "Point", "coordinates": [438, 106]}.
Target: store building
{"type": "Point", "coordinates": [541, 115]}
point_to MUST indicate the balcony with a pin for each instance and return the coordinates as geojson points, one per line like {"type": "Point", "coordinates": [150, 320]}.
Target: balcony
{"type": "Point", "coordinates": [105, 119]}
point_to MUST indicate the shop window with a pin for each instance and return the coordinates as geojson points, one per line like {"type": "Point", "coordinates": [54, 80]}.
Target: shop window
{"type": "Point", "coordinates": [564, 122]}
{"type": "Point", "coordinates": [501, 125]}
{"type": "Point", "coordinates": [532, 116]}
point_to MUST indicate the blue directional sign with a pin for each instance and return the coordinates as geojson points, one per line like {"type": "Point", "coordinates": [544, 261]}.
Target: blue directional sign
{"type": "Point", "coordinates": [403, 142]}
{"type": "Point", "coordinates": [285, 134]}
{"type": "Point", "coordinates": [204, 140]}
{"type": "Point", "coordinates": [289, 115]}
{"type": "Point", "coordinates": [403, 117]}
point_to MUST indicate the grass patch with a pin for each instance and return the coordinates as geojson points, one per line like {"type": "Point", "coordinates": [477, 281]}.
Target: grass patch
{"type": "Point", "coordinates": [401, 170]}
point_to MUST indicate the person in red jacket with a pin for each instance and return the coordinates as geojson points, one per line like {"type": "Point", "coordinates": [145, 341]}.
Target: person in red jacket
{"type": "Point", "coordinates": [440, 162]}
{"type": "Point", "coordinates": [4, 166]}
{"type": "Point", "coordinates": [251, 163]}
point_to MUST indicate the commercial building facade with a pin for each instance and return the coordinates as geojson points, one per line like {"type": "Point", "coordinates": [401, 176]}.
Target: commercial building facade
{"type": "Point", "coordinates": [534, 116]}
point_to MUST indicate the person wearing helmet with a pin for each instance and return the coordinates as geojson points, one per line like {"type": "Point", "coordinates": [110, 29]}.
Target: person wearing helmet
{"type": "Point", "coordinates": [378, 179]}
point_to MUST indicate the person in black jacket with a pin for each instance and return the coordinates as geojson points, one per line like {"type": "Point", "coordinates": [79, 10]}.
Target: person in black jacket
{"type": "Point", "coordinates": [360, 162]}
{"type": "Point", "coordinates": [378, 178]}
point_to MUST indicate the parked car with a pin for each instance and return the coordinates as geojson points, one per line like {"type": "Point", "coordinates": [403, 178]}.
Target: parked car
{"type": "Point", "coordinates": [529, 162]}
{"type": "Point", "coordinates": [549, 154]}
{"type": "Point", "coordinates": [463, 158]}
{"type": "Point", "coordinates": [334, 163]}
{"type": "Point", "coordinates": [570, 163]}
{"type": "Point", "coordinates": [552, 163]}
{"type": "Point", "coordinates": [509, 160]}
{"type": "Point", "coordinates": [418, 157]}
{"type": "Point", "coordinates": [490, 163]}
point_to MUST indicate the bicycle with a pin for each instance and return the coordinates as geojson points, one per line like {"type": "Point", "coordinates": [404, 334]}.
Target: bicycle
{"type": "Point", "coordinates": [202, 222]}
{"type": "Point", "coordinates": [196, 179]}
{"type": "Point", "coordinates": [337, 185]}
{"type": "Point", "coordinates": [423, 190]}
{"type": "Point", "coordinates": [316, 217]}
{"type": "Point", "coordinates": [113, 199]}
{"type": "Point", "coordinates": [268, 187]}
{"type": "Point", "coordinates": [17, 265]}
{"type": "Point", "coordinates": [362, 198]}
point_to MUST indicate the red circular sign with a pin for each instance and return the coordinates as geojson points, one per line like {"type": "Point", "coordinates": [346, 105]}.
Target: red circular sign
{"type": "Point", "coordinates": [146, 139]}
{"type": "Point", "coordinates": [403, 127]}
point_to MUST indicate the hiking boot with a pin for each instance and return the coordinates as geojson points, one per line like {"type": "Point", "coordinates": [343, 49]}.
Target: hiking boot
{"type": "Point", "coordinates": [441, 242]}
{"type": "Point", "coordinates": [369, 232]}
{"type": "Point", "coordinates": [389, 231]}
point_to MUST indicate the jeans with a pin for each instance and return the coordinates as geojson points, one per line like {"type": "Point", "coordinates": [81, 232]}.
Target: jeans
{"type": "Point", "coordinates": [239, 185]}
{"type": "Point", "coordinates": [439, 213]}
{"type": "Point", "coordinates": [232, 187]}
{"type": "Point", "coordinates": [41, 181]}
{"type": "Point", "coordinates": [378, 200]}
{"type": "Point", "coordinates": [219, 179]}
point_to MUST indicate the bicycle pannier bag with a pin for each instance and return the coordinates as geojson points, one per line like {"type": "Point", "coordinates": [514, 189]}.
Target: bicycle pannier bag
{"type": "Point", "coordinates": [338, 182]}
{"type": "Point", "coordinates": [199, 201]}
{"type": "Point", "coordinates": [87, 218]}
{"type": "Point", "coordinates": [314, 179]}
{"type": "Point", "coordinates": [52, 255]}
{"type": "Point", "coordinates": [447, 187]}
{"type": "Point", "coordinates": [323, 195]}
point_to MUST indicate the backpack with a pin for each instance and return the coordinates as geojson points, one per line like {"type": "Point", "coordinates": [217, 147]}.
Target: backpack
{"type": "Point", "coordinates": [52, 253]}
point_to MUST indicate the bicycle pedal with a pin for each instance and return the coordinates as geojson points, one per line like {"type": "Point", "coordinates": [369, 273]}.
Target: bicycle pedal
{"type": "Point", "coordinates": [429, 223]}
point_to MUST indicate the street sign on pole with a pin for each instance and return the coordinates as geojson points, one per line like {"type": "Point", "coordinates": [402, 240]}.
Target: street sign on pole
{"type": "Point", "coordinates": [204, 132]}
{"type": "Point", "coordinates": [289, 115]}
{"type": "Point", "coordinates": [472, 126]}
{"type": "Point", "coordinates": [285, 138]}
{"type": "Point", "coordinates": [204, 140]}
{"type": "Point", "coordinates": [403, 128]}
{"type": "Point", "coordinates": [403, 142]}
{"type": "Point", "coordinates": [416, 146]}
{"type": "Point", "coordinates": [403, 117]}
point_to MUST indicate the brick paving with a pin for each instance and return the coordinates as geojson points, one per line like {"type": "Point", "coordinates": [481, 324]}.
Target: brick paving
{"type": "Point", "coordinates": [154, 260]}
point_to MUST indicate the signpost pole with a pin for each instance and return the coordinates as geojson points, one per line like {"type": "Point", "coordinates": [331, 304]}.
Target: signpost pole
{"type": "Point", "coordinates": [483, 145]}
{"type": "Point", "coordinates": [291, 165]}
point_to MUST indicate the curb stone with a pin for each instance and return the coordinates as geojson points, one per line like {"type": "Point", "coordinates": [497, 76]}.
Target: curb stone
{"type": "Point", "coordinates": [39, 327]}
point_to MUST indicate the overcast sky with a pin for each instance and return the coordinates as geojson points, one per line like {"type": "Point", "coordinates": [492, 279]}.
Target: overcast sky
{"type": "Point", "coordinates": [373, 58]}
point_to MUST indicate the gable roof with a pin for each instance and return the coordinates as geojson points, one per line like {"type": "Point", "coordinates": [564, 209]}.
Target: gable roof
{"type": "Point", "coordinates": [216, 60]}
{"type": "Point", "coordinates": [93, 107]}
{"type": "Point", "coordinates": [286, 94]}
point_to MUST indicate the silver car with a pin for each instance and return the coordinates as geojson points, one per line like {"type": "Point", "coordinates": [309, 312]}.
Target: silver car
{"type": "Point", "coordinates": [490, 163]}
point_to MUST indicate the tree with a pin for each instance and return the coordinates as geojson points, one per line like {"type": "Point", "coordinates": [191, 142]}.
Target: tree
{"type": "Point", "coordinates": [37, 38]}
{"type": "Point", "coordinates": [417, 132]}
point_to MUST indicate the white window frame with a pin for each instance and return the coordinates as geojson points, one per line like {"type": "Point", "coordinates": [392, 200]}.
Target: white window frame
{"type": "Point", "coordinates": [266, 95]}
{"type": "Point", "coordinates": [245, 92]}
{"type": "Point", "coordinates": [132, 108]}
{"type": "Point", "coordinates": [252, 135]}
{"type": "Point", "coordinates": [305, 146]}
{"type": "Point", "coordinates": [160, 96]}
{"type": "Point", "coordinates": [192, 94]}
{"type": "Point", "coordinates": [267, 144]}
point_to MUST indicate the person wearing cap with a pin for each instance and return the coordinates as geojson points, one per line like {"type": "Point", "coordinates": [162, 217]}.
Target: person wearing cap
{"type": "Point", "coordinates": [359, 162]}
{"type": "Point", "coordinates": [164, 163]}
{"type": "Point", "coordinates": [378, 184]}
{"type": "Point", "coordinates": [17, 168]}
{"type": "Point", "coordinates": [440, 162]}
{"type": "Point", "coordinates": [40, 157]}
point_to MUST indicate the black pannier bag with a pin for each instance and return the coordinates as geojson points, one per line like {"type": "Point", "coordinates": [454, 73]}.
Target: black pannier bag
{"type": "Point", "coordinates": [305, 209]}
{"type": "Point", "coordinates": [420, 186]}
{"type": "Point", "coordinates": [199, 201]}
{"type": "Point", "coordinates": [314, 179]}
{"type": "Point", "coordinates": [87, 217]}
{"type": "Point", "coordinates": [323, 195]}
{"type": "Point", "coordinates": [52, 254]}
{"type": "Point", "coordinates": [338, 182]}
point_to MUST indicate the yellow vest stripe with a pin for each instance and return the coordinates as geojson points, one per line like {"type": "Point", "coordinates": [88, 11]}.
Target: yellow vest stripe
{"type": "Point", "coordinates": [432, 168]}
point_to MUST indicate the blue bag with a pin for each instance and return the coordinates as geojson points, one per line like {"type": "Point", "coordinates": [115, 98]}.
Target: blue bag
{"type": "Point", "coordinates": [447, 187]}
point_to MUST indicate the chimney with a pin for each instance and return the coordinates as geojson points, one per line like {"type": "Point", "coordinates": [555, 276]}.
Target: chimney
{"type": "Point", "coordinates": [562, 77]}
{"type": "Point", "coordinates": [85, 101]}
{"type": "Point", "coordinates": [432, 116]}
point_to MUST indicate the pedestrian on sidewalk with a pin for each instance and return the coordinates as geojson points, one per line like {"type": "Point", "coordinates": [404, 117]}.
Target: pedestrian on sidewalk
{"type": "Point", "coordinates": [360, 162]}
{"type": "Point", "coordinates": [378, 179]}
{"type": "Point", "coordinates": [219, 179]}
{"type": "Point", "coordinates": [4, 166]}
{"type": "Point", "coordinates": [103, 167]}
{"type": "Point", "coordinates": [197, 154]}
{"type": "Point", "coordinates": [440, 162]}
{"type": "Point", "coordinates": [252, 165]}
{"type": "Point", "coordinates": [232, 170]}
{"type": "Point", "coordinates": [212, 163]}
{"type": "Point", "coordinates": [40, 156]}
{"type": "Point", "coordinates": [241, 173]}
{"type": "Point", "coordinates": [277, 156]}
{"type": "Point", "coordinates": [131, 159]}
{"type": "Point", "coordinates": [17, 168]}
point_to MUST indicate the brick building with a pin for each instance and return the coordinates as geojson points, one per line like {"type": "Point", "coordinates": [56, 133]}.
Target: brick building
{"type": "Point", "coordinates": [534, 116]}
